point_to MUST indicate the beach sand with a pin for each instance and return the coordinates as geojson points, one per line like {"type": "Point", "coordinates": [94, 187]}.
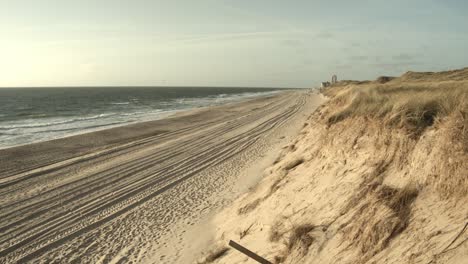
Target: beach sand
{"type": "Point", "coordinates": [141, 193]}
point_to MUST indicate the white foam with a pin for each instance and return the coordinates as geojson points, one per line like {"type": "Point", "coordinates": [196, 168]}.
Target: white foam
{"type": "Point", "coordinates": [14, 133]}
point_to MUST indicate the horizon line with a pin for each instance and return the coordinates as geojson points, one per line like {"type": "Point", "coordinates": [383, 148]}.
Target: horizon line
{"type": "Point", "coordinates": [149, 86]}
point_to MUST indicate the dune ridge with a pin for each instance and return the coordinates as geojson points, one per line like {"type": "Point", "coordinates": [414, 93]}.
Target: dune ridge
{"type": "Point", "coordinates": [378, 174]}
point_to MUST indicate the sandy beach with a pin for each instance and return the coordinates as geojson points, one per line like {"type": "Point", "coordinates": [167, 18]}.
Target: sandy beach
{"type": "Point", "coordinates": [139, 193]}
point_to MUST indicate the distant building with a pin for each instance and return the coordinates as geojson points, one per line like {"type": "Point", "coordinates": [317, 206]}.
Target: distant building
{"type": "Point", "coordinates": [334, 79]}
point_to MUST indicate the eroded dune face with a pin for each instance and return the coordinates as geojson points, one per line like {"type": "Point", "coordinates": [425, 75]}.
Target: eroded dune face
{"type": "Point", "coordinates": [379, 174]}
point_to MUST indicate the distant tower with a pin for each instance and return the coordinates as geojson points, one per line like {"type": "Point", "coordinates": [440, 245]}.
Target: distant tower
{"type": "Point", "coordinates": [334, 79]}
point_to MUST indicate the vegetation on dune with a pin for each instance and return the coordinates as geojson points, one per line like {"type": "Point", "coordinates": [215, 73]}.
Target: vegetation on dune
{"type": "Point", "coordinates": [413, 103]}
{"type": "Point", "coordinates": [301, 236]}
{"type": "Point", "coordinates": [410, 102]}
{"type": "Point", "coordinates": [409, 106]}
{"type": "Point", "coordinates": [364, 169]}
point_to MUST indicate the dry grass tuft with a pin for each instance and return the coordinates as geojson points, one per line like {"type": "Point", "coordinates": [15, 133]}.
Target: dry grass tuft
{"type": "Point", "coordinates": [449, 176]}
{"type": "Point", "coordinates": [399, 200]}
{"type": "Point", "coordinates": [277, 231]}
{"type": "Point", "coordinates": [382, 215]}
{"type": "Point", "coordinates": [279, 259]}
{"type": "Point", "coordinates": [301, 237]}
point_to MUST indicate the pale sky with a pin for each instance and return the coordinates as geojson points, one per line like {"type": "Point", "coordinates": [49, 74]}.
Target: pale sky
{"type": "Point", "coordinates": [267, 43]}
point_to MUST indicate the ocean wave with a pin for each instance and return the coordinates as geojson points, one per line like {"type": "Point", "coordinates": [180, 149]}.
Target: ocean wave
{"type": "Point", "coordinates": [222, 95]}
{"type": "Point", "coordinates": [217, 99]}
{"type": "Point", "coordinates": [84, 128]}
{"type": "Point", "coordinates": [8, 134]}
{"type": "Point", "coordinates": [37, 125]}
{"type": "Point", "coordinates": [28, 130]}
{"type": "Point", "coordinates": [156, 111]}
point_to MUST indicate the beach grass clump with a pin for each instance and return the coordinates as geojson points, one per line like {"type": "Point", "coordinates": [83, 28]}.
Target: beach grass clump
{"type": "Point", "coordinates": [383, 214]}
{"type": "Point", "coordinates": [300, 237]}
{"type": "Point", "coordinates": [399, 201]}
{"type": "Point", "coordinates": [277, 230]}
{"type": "Point", "coordinates": [449, 176]}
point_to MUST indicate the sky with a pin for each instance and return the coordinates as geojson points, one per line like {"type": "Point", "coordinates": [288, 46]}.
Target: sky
{"type": "Point", "coordinates": [249, 43]}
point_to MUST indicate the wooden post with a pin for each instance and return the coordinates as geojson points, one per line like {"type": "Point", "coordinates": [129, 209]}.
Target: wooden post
{"type": "Point", "coordinates": [249, 253]}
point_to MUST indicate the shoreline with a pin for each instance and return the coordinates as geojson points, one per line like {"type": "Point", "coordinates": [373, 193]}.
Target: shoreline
{"type": "Point", "coordinates": [163, 115]}
{"type": "Point", "coordinates": [115, 194]}
{"type": "Point", "coordinates": [95, 140]}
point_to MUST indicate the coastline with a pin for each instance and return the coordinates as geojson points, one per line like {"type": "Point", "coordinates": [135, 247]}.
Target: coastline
{"type": "Point", "coordinates": [132, 184]}
{"type": "Point", "coordinates": [89, 142]}
{"type": "Point", "coordinates": [108, 118]}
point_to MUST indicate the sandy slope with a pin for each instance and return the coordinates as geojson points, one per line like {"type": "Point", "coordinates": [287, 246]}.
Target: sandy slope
{"type": "Point", "coordinates": [358, 187]}
{"type": "Point", "coordinates": [137, 193]}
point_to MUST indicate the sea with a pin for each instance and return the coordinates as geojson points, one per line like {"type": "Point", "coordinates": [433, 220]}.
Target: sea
{"type": "Point", "coordinates": [29, 115]}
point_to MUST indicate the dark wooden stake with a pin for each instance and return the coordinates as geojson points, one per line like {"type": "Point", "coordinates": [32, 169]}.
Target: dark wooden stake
{"type": "Point", "coordinates": [249, 253]}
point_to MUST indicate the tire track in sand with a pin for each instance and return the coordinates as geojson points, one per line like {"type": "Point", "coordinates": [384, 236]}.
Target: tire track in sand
{"type": "Point", "coordinates": [31, 228]}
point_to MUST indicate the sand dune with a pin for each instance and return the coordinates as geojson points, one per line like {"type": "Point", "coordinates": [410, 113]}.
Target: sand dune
{"type": "Point", "coordinates": [118, 195]}
{"type": "Point", "coordinates": [378, 175]}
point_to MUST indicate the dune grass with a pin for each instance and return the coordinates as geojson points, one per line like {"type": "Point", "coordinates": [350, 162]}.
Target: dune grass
{"type": "Point", "coordinates": [409, 102]}
{"type": "Point", "coordinates": [431, 109]}
{"type": "Point", "coordinates": [300, 235]}
{"type": "Point", "coordinates": [413, 103]}
{"type": "Point", "coordinates": [382, 215]}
